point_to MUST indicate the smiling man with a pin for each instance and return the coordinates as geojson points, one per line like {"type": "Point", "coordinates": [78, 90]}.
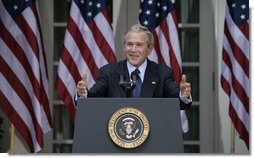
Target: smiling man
{"type": "Point", "coordinates": [146, 78]}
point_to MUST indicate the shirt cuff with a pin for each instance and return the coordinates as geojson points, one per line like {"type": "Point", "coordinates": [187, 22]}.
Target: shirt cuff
{"type": "Point", "coordinates": [76, 97]}
{"type": "Point", "coordinates": [185, 100]}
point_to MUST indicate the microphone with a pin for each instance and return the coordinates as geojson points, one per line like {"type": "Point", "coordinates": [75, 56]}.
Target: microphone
{"type": "Point", "coordinates": [122, 83]}
{"type": "Point", "coordinates": [133, 81]}
{"type": "Point", "coordinates": [134, 78]}
{"type": "Point", "coordinates": [121, 80]}
{"type": "Point", "coordinates": [126, 86]}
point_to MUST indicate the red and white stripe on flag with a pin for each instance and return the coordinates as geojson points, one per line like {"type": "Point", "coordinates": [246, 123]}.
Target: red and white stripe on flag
{"type": "Point", "coordinates": [23, 71]}
{"type": "Point", "coordinates": [88, 45]}
{"type": "Point", "coordinates": [161, 19]}
{"type": "Point", "coordinates": [235, 65]}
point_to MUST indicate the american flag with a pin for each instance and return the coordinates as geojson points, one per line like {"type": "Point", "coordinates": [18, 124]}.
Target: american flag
{"type": "Point", "coordinates": [235, 65]}
{"type": "Point", "coordinates": [88, 45]}
{"type": "Point", "coordinates": [159, 16]}
{"type": "Point", "coordinates": [23, 71]}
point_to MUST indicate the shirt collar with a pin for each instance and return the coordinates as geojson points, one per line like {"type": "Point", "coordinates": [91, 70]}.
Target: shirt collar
{"type": "Point", "coordinates": [141, 68]}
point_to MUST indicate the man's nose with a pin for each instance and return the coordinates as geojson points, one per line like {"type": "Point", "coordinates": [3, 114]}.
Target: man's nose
{"type": "Point", "coordinates": [133, 47]}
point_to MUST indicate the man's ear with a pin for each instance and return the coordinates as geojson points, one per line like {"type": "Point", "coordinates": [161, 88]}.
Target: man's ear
{"type": "Point", "coordinates": [150, 50]}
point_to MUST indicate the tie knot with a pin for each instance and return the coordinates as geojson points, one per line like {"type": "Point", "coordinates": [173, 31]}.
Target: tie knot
{"type": "Point", "coordinates": [136, 71]}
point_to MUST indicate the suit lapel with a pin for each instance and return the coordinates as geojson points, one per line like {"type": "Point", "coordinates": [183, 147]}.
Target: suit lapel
{"type": "Point", "coordinates": [150, 80]}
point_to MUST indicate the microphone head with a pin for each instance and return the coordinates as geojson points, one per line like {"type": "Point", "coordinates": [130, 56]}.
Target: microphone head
{"type": "Point", "coordinates": [133, 83]}
{"type": "Point", "coordinates": [121, 79]}
{"type": "Point", "coordinates": [134, 78]}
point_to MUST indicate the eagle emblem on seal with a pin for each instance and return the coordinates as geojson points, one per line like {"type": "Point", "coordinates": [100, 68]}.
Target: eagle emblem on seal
{"type": "Point", "coordinates": [129, 128]}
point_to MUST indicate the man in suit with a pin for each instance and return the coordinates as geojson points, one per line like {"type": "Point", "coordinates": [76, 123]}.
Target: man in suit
{"type": "Point", "coordinates": [156, 80]}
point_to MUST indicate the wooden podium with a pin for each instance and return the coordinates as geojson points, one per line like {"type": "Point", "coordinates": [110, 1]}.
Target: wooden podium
{"type": "Point", "coordinates": [93, 115]}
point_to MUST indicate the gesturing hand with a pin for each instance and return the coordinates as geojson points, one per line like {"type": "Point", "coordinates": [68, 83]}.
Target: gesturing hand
{"type": "Point", "coordinates": [81, 87]}
{"type": "Point", "coordinates": [185, 87]}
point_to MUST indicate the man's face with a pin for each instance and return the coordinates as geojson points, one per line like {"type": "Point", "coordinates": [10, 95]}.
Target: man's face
{"type": "Point", "coordinates": [136, 48]}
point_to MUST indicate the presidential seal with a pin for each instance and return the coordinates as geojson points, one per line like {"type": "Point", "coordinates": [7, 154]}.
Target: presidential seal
{"type": "Point", "coordinates": [128, 127]}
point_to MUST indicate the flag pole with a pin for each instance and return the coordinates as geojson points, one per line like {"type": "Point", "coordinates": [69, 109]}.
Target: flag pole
{"type": "Point", "coordinates": [232, 143]}
{"type": "Point", "coordinates": [12, 131]}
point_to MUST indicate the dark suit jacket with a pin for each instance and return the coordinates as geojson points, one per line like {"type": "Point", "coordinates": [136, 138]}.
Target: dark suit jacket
{"type": "Point", "coordinates": [159, 81]}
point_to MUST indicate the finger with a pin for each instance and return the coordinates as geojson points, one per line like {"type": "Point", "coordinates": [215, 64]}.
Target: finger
{"type": "Point", "coordinates": [79, 84]}
{"type": "Point", "coordinates": [183, 78]}
{"type": "Point", "coordinates": [84, 78]}
{"type": "Point", "coordinates": [186, 94]}
{"type": "Point", "coordinates": [188, 85]}
{"type": "Point", "coordinates": [187, 91]}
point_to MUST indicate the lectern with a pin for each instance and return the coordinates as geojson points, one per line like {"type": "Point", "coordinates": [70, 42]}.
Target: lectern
{"type": "Point", "coordinates": [96, 129]}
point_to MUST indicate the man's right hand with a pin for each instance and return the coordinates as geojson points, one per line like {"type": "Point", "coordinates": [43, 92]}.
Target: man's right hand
{"type": "Point", "coordinates": [81, 87]}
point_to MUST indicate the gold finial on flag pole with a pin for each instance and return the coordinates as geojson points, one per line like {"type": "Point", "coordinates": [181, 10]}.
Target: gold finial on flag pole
{"type": "Point", "coordinates": [12, 131]}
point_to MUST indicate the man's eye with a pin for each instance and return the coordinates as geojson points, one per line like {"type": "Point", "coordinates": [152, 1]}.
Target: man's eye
{"type": "Point", "coordinates": [129, 44]}
{"type": "Point", "coordinates": [134, 44]}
